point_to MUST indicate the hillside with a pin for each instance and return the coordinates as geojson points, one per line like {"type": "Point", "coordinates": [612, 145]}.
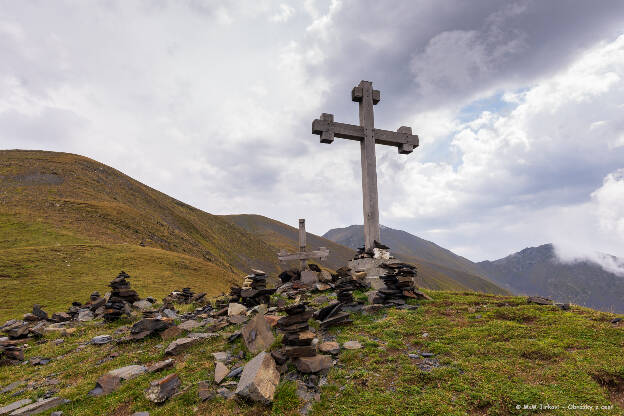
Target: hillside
{"type": "Point", "coordinates": [283, 236]}
{"type": "Point", "coordinates": [536, 271]}
{"type": "Point", "coordinates": [441, 268]}
{"type": "Point", "coordinates": [67, 220]}
{"type": "Point", "coordinates": [457, 354]}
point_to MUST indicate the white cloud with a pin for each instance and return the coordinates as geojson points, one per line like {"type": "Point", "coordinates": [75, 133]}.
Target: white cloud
{"type": "Point", "coordinates": [284, 14]}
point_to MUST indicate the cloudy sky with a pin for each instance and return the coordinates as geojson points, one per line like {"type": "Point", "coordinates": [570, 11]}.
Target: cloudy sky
{"type": "Point", "coordinates": [519, 106]}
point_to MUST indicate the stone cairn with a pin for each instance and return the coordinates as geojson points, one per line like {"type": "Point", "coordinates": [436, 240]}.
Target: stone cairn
{"type": "Point", "coordinates": [254, 291]}
{"type": "Point", "coordinates": [399, 285]}
{"type": "Point", "coordinates": [297, 335]}
{"type": "Point", "coordinates": [332, 315]}
{"type": "Point", "coordinates": [122, 296]}
{"type": "Point", "coordinates": [183, 297]}
{"type": "Point", "coordinates": [10, 351]}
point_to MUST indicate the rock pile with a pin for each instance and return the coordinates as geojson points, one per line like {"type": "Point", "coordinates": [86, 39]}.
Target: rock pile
{"type": "Point", "coordinates": [399, 285]}
{"type": "Point", "coordinates": [183, 297]}
{"type": "Point", "coordinates": [122, 296]}
{"type": "Point", "coordinates": [10, 351]}
{"type": "Point", "coordinates": [331, 315]}
{"type": "Point", "coordinates": [297, 335]}
{"type": "Point", "coordinates": [254, 291]}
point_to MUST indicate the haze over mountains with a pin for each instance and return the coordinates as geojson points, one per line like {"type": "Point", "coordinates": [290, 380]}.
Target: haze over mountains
{"type": "Point", "coordinates": [532, 271]}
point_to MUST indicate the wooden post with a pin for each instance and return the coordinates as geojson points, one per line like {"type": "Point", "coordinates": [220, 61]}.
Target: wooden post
{"type": "Point", "coordinates": [302, 243]}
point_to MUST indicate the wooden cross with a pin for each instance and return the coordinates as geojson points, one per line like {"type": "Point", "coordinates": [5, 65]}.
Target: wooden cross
{"type": "Point", "coordinates": [303, 255]}
{"type": "Point", "coordinates": [368, 136]}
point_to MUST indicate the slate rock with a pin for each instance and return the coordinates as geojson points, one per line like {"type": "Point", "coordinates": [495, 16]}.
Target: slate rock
{"type": "Point", "coordinates": [313, 364]}
{"type": "Point", "coordinates": [102, 339]}
{"type": "Point", "coordinates": [39, 406]}
{"type": "Point", "coordinates": [161, 390]}
{"type": "Point", "coordinates": [352, 345]}
{"type": "Point", "coordinates": [235, 372]}
{"type": "Point", "coordinates": [143, 305]}
{"type": "Point", "coordinates": [189, 325]}
{"type": "Point", "coordinates": [329, 347]}
{"type": "Point", "coordinates": [257, 334]}
{"type": "Point", "coordinates": [39, 313]}
{"type": "Point", "coordinates": [180, 345]}
{"type": "Point", "coordinates": [14, 406]}
{"type": "Point", "coordinates": [160, 366]}
{"type": "Point", "coordinates": [105, 384]}
{"type": "Point", "coordinates": [128, 372]}
{"type": "Point", "coordinates": [259, 379]}
{"type": "Point", "coordinates": [85, 315]}
{"type": "Point", "coordinates": [205, 391]}
{"type": "Point", "coordinates": [225, 393]}
{"type": "Point", "coordinates": [221, 371]}
{"type": "Point", "coordinates": [236, 309]}
{"type": "Point", "coordinates": [171, 333]}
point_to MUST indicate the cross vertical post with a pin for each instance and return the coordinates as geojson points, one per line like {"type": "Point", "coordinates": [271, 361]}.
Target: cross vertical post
{"type": "Point", "coordinates": [302, 243]}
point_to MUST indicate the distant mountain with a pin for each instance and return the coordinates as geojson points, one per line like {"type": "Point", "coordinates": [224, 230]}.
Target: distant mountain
{"type": "Point", "coordinates": [442, 268]}
{"type": "Point", "coordinates": [537, 271]}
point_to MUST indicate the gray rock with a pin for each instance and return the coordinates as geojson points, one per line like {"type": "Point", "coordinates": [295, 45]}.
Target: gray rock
{"type": "Point", "coordinates": [160, 365]}
{"type": "Point", "coordinates": [427, 354]}
{"type": "Point", "coordinates": [352, 345]}
{"type": "Point", "coordinates": [161, 390]}
{"type": "Point", "coordinates": [189, 325]}
{"type": "Point", "coordinates": [259, 379]}
{"type": "Point", "coordinates": [235, 372]}
{"type": "Point", "coordinates": [39, 313]}
{"type": "Point", "coordinates": [257, 334]}
{"type": "Point", "coordinates": [314, 364]}
{"type": "Point", "coordinates": [225, 393]}
{"type": "Point", "coordinates": [168, 313]}
{"type": "Point", "coordinates": [329, 347]}
{"type": "Point", "coordinates": [142, 305]}
{"type": "Point", "coordinates": [221, 371]}
{"type": "Point", "coordinates": [85, 315]}
{"type": "Point", "coordinates": [14, 406]}
{"type": "Point", "coordinates": [128, 372]}
{"type": "Point", "coordinates": [180, 345]}
{"type": "Point", "coordinates": [309, 278]}
{"type": "Point", "coordinates": [39, 406]}
{"type": "Point", "coordinates": [236, 309]}
{"type": "Point", "coordinates": [102, 339]}
{"type": "Point", "coordinates": [202, 335]}
{"type": "Point", "coordinates": [12, 386]}
{"type": "Point", "coordinates": [220, 356]}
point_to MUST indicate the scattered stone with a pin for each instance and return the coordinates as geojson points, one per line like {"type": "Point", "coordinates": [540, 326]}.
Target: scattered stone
{"type": "Point", "coordinates": [101, 339]}
{"type": "Point", "coordinates": [235, 372]}
{"type": "Point", "coordinates": [180, 345]}
{"type": "Point", "coordinates": [539, 300]}
{"type": "Point", "coordinates": [142, 305]}
{"type": "Point", "coordinates": [171, 333]}
{"type": "Point", "coordinates": [85, 315]}
{"type": "Point", "coordinates": [161, 390]}
{"type": "Point", "coordinates": [221, 371]}
{"type": "Point", "coordinates": [128, 372]}
{"type": "Point", "coordinates": [39, 361]}
{"type": "Point", "coordinates": [237, 319]}
{"type": "Point", "coordinates": [259, 379]}
{"type": "Point", "coordinates": [309, 277]}
{"type": "Point", "coordinates": [14, 406]}
{"type": "Point", "coordinates": [236, 309]}
{"type": "Point", "coordinates": [160, 366]}
{"type": "Point", "coordinates": [220, 356]}
{"type": "Point", "coordinates": [202, 335]}
{"type": "Point", "coordinates": [412, 355]}
{"type": "Point", "coordinates": [29, 317]}
{"type": "Point", "coordinates": [325, 277]}
{"type": "Point", "coordinates": [61, 317]}
{"type": "Point", "coordinates": [148, 326]}
{"type": "Point", "coordinates": [184, 296]}
{"type": "Point", "coordinates": [189, 325]}
{"type": "Point", "coordinates": [427, 354]}
{"type": "Point", "coordinates": [225, 393]}
{"type": "Point", "coordinates": [352, 345]}
{"type": "Point", "coordinates": [171, 314]}
{"type": "Point", "coordinates": [257, 334]}
{"type": "Point", "coordinates": [329, 347]}
{"type": "Point", "coordinates": [39, 406]}
{"type": "Point", "coordinates": [105, 384]}
{"type": "Point", "coordinates": [9, 388]}
{"type": "Point", "coordinates": [313, 364]}
{"type": "Point", "coordinates": [39, 313]}
{"type": "Point", "coordinates": [563, 306]}
{"type": "Point", "coordinates": [205, 391]}
{"type": "Point", "coordinates": [616, 320]}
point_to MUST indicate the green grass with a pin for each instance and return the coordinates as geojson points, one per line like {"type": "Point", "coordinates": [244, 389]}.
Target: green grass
{"type": "Point", "coordinates": [515, 354]}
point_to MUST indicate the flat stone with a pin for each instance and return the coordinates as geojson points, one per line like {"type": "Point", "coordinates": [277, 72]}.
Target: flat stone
{"type": "Point", "coordinates": [105, 384]}
{"type": "Point", "coordinates": [321, 287]}
{"type": "Point", "coordinates": [160, 365]}
{"type": "Point", "coordinates": [39, 406]}
{"type": "Point", "coordinates": [180, 345]}
{"type": "Point", "coordinates": [14, 406]}
{"type": "Point", "coordinates": [101, 339]}
{"type": "Point", "coordinates": [202, 335]}
{"type": "Point", "coordinates": [189, 325]}
{"type": "Point", "coordinates": [85, 316]}
{"type": "Point", "coordinates": [259, 379]}
{"type": "Point", "coordinates": [12, 386]}
{"type": "Point", "coordinates": [161, 390]}
{"type": "Point", "coordinates": [205, 391]}
{"type": "Point", "coordinates": [226, 393]}
{"type": "Point", "coordinates": [220, 356]}
{"type": "Point", "coordinates": [128, 372]}
{"type": "Point", "coordinates": [143, 305]}
{"type": "Point", "coordinates": [168, 313]}
{"type": "Point", "coordinates": [220, 372]}
{"type": "Point", "coordinates": [237, 319]}
{"type": "Point", "coordinates": [329, 347]}
{"type": "Point", "coordinates": [308, 277]}
{"type": "Point", "coordinates": [171, 333]}
{"type": "Point", "coordinates": [313, 364]}
{"type": "Point", "coordinates": [427, 354]}
{"type": "Point", "coordinates": [236, 309]}
{"type": "Point", "coordinates": [235, 372]}
{"type": "Point", "coordinates": [352, 345]}
{"type": "Point", "coordinates": [300, 351]}
{"type": "Point", "coordinates": [257, 334]}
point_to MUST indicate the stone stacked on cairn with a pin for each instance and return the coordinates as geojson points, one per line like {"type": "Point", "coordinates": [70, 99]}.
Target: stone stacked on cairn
{"type": "Point", "coordinates": [331, 315]}
{"type": "Point", "coordinates": [122, 296]}
{"type": "Point", "coordinates": [298, 338]}
{"type": "Point", "coordinates": [254, 291]}
{"type": "Point", "coordinates": [399, 285]}
{"type": "Point", "coordinates": [10, 351]}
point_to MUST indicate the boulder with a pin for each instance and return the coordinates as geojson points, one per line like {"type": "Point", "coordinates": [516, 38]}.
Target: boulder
{"type": "Point", "coordinates": [313, 364]}
{"type": "Point", "coordinates": [236, 309]}
{"type": "Point", "coordinates": [180, 345]}
{"type": "Point", "coordinates": [259, 379]}
{"type": "Point", "coordinates": [161, 390]}
{"type": "Point", "coordinates": [220, 372]}
{"type": "Point", "coordinates": [257, 334]}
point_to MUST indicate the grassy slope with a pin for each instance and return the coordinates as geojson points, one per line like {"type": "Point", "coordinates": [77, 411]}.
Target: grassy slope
{"type": "Point", "coordinates": [513, 354]}
{"type": "Point", "coordinates": [69, 224]}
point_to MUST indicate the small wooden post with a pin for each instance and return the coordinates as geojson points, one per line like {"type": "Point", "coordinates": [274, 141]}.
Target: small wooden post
{"type": "Point", "coordinates": [302, 243]}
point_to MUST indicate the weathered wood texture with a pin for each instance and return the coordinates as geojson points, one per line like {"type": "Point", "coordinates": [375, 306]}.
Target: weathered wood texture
{"type": "Point", "coordinates": [368, 136]}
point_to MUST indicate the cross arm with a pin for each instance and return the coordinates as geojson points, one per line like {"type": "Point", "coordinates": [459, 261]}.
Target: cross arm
{"type": "Point", "coordinates": [321, 254]}
{"type": "Point", "coordinates": [327, 128]}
